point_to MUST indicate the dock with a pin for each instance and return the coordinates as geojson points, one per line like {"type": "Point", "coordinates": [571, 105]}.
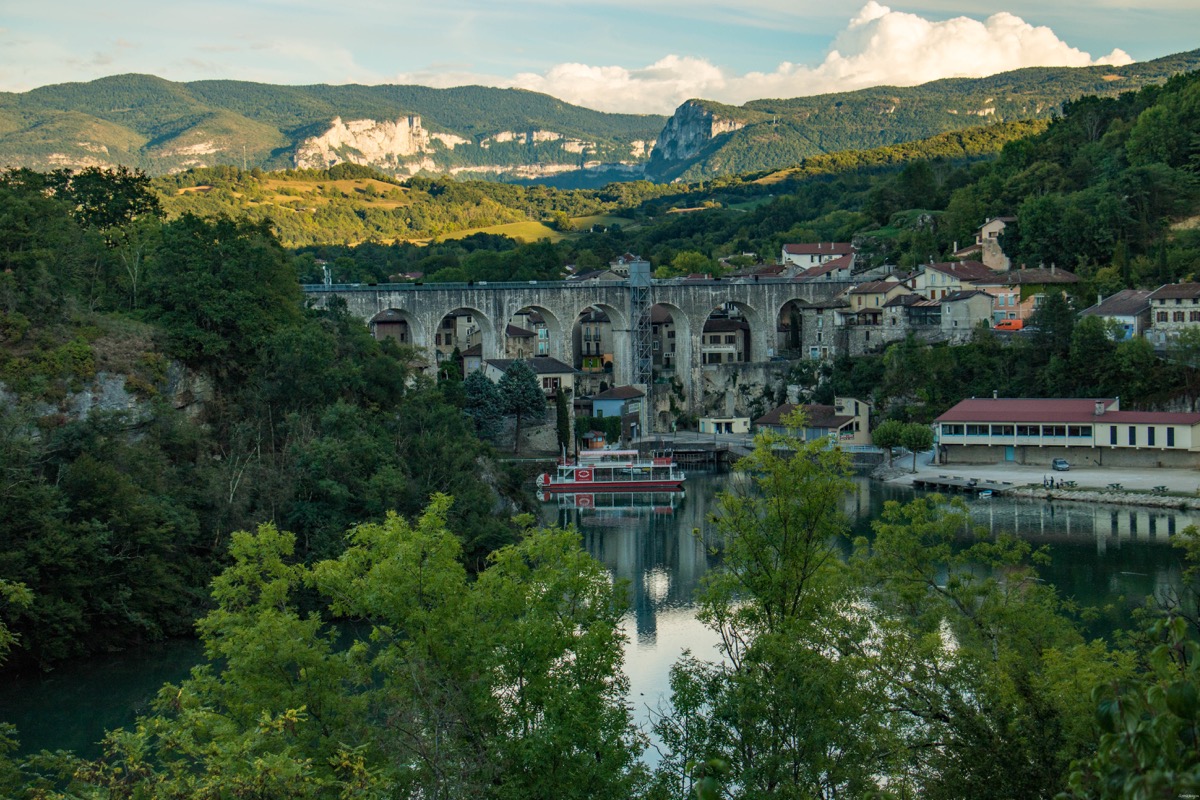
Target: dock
{"type": "Point", "coordinates": [954, 484]}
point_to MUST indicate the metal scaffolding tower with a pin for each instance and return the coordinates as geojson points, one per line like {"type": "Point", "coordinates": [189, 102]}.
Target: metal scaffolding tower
{"type": "Point", "coordinates": [639, 313]}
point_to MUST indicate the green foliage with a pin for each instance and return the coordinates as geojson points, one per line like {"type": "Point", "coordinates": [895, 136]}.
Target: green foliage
{"type": "Point", "coordinates": [916, 438]}
{"type": "Point", "coordinates": [889, 435]}
{"type": "Point", "coordinates": [776, 708]}
{"type": "Point", "coordinates": [502, 687]}
{"type": "Point", "coordinates": [521, 396]}
{"type": "Point", "coordinates": [483, 404]}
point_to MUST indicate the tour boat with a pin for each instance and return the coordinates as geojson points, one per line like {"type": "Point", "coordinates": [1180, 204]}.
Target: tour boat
{"type": "Point", "coordinates": [612, 471]}
{"type": "Point", "coordinates": [618, 504]}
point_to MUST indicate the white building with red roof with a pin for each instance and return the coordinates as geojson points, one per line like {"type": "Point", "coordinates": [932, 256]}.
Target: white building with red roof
{"type": "Point", "coordinates": [813, 253]}
{"type": "Point", "coordinates": [1084, 431]}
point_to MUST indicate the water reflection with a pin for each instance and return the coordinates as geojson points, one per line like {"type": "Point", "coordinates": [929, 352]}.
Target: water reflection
{"type": "Point", "coordinates": [1110, 558]}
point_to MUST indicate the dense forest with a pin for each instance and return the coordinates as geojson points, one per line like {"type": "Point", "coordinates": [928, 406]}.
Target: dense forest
{"type": "Point", "coordinates": [182, 440]}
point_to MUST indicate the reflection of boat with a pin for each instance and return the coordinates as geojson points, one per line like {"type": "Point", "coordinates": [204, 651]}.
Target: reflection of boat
{"type": "Point", "coordinates": [612, 471]}
{"type": "Point", "coordinates": [986, 494]}
{"type": "Point", "coordinates": [628, 504]}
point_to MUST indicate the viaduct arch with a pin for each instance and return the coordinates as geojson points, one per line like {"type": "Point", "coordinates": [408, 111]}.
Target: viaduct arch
{"type": "Point", "coordinates": [423, 306]}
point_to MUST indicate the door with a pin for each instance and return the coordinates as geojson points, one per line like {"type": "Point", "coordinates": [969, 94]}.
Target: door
{"type": "Point", "coordinates": [1010, 453]}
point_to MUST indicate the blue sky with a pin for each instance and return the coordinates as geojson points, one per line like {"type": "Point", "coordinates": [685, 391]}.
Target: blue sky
{"type": "Point", "coordinates": [615, 55]}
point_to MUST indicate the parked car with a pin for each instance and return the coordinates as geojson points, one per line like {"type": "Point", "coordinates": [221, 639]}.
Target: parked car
{"type": "Point", "coordinates": [1060, 465]}
{"type": "Point", "coordinates": [1010, 325]}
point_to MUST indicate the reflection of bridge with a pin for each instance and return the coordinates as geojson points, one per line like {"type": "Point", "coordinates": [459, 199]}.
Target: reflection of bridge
{"type": "Point", "coordinates": [422, 307]}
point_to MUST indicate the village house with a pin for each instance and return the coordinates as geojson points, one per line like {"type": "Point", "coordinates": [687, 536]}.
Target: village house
{"type": "Point", "coordinates": [847, 422]}
{"type": "Point", "coordinates": [551, 373]}
{"type": "Point", "coordinates": [835, 269]}
{"type": "Point", "coordinates": [725, 340]}
{"type": "Point", "coordinates": [1083, 431]}
{"type": "Point", "coordinates": [810, 255]}
{"type": "Point", "coordinates": [1018, 293]}
{"type": "Point", "coordinates": [1174, 307]}
{"type": "Point", "coordinates": [1127, 313]}
{"type": "Point", "coordinates": [936, 280]}
{"type": "Point", "coordinates": [617, 401]}
{"type": "Point", "coordinates": [593, 341]}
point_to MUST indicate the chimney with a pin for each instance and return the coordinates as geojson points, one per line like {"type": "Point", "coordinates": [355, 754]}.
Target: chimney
{"type": "Point", "coordinates": [1099, 408]}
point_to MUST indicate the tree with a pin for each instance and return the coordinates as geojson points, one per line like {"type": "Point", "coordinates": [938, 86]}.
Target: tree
{"type": "Point", "coordinates": [889, 435]}
{"type": "Point", "coordinates": [916, 437]}
{"type": "Point", "coordinates": [984, 676]}
{"type": "Point", "coordinates": [484, 406]}
{"type": "Point", "coordinates": [562, 417]}
{"type": "Point", "coordinates": [503, 687]}
{"type": "Point", "coordinates": [775, 707]}
{"type": "Point", "coordinates": [521, 396]}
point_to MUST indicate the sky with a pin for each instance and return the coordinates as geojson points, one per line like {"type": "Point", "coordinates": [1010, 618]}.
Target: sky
{"type": "Point", "coordinates": [635, 56]}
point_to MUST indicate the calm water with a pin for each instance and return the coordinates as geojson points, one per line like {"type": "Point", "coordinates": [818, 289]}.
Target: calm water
{"type": "Point", "coordinates": [1100, 554]}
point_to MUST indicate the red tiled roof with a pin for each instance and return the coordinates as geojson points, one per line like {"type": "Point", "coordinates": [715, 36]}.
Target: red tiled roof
{"type": "Point", "coordinates": [818, 248]}
{"type": "Point", "coordinates": [970, 271]}
{"type": "Point", "coordinates": [1075, 409]}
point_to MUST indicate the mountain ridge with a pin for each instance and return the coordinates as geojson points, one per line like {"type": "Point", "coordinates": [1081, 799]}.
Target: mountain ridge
{"type": "Point", "coordinates": [162, 126]}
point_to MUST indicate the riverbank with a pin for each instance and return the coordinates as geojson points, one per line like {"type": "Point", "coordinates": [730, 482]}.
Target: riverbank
{"type": "Point", "coordinates": [1154, 488]}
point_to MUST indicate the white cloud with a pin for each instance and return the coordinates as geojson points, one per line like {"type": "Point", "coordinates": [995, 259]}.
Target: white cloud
{"type": "Point", "coordinates": [878, 46]}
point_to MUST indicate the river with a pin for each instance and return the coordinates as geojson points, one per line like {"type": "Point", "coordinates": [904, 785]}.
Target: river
{"type": "Point", "coordinates": [1100, 556]}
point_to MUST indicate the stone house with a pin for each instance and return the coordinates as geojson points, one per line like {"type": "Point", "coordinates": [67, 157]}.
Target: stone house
{"type": "Point", "coordinates": [962, 313]}
{"type": "Point", "coordinates": [725, 340]}
{"type": "Point", "coordinates": [1174, 307]}
{"type": "Point", "coordinates": [593, 341]}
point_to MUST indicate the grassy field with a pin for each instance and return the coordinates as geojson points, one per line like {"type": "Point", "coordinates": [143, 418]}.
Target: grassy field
{"type": "Point", "coordinates": [606, 220]}
{"type": "Point", "coordinates": [529, 231]}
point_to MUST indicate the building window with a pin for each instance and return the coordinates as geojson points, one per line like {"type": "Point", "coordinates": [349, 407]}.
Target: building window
{"type": "Point", "coordinates": [1194, 316]}
{"type": "Point", "coordinates": [1029, 430]}
{"type": "Point", "coordinates": [1161, 316]}
{"type": "Point", "coordinates": [1170, 437]}
{"type": "Point", "coordinates": [1112, 435]}
{"type": "Point", "coordinates": [1177, 316]}
{"type": "Point", "coordinates": [671, 334]}
{"type": "Point", "coordinates": [1132, 436]}
{"type": "Point", "coordinates": [1002, 430]}
{"type": "Point", "coordinates": [952, 430]}
{"type": "Point", "coordinates": [730, 339]}
{"type": "Point", "coordinates": [977, 430]}
{"type": "Point", "coordinates": [1079, 430]}
{"type": "Point", "coordinates": [1054, 430]}
{"type": "Point", "coordinates": [1150, 436]}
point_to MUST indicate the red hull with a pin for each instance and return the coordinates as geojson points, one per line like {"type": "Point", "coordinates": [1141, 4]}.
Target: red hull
{"type": "Point", "coordinates": [613, 486]}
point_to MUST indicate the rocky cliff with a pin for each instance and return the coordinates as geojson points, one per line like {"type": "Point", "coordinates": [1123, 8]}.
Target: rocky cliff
{"type": "Point", "coordinates": [686, 133]}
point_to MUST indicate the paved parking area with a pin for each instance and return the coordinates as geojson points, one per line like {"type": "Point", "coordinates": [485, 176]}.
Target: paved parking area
{"type": "Point", "coordinates": [1186, 481]}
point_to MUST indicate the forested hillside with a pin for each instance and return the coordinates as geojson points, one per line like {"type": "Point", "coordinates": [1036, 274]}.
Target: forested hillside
{"type": "Point", "coordinates": [219, 403]}
{"type": "Point", "coordinates": [780, 132]}
{"type": "Point", "coordinates": [158, 125]}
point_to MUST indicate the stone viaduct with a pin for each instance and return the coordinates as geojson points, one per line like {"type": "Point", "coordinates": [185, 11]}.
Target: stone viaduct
{"type": "Point", "coordinates": [690, 302]}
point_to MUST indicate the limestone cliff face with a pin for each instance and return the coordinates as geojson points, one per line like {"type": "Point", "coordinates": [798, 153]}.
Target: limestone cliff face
{"type": "Point", "coordinates": [688, 130]}
{"type": "Point", "coordinates": [366, 141]}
